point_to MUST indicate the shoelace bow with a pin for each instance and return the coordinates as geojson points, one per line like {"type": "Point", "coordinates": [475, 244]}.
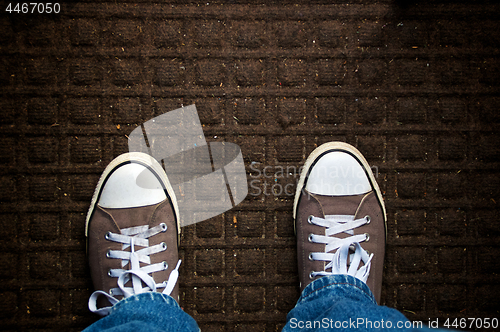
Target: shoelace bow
{"type": "Point", "coordinates": [130, 238]}
{"type": "Point", "coordinates": [341, 259]}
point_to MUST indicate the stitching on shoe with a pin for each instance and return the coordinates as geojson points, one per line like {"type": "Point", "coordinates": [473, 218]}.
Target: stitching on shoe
{"type": "Point", "coordinates": [316, 200]}
{"type": "Point", "coordinates": [365, 198]}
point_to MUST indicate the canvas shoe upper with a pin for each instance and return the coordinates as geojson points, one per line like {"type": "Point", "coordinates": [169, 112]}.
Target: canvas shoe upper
{"type": "Point", "coordinates": [339, 217]}
{"type": "Point", "coordinates": [132, 232]}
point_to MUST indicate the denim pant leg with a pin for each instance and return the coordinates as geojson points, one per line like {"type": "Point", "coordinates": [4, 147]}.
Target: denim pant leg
{"type": "Point", "coordinates": [149, 312]}
{"type": "Point", "coordinates": [344, 303]}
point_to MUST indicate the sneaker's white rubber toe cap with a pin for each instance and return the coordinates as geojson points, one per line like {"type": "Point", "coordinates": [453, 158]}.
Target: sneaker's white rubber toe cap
{"type": "Point", "coordinates": [338, 174]}
{"type": "Point", "coordinates": [131, 185]}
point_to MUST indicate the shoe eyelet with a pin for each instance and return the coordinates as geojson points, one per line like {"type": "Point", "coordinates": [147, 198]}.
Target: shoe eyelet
{"type": "Point", "coordinates": [107, 236]}
{"type": "Point", "coordinates": [163, 246]}
{"type": "Point", "coordinates": [311, 276]}
{"type": "Point", "coordinates": [111, 292]}
{"type": "Point", "coordinates": [368, 219]}
{"type": "Point", "coordinates": [109, 275]}
{"type": "Point", "coordinates": [165, 265]}
{"type": "Point", "coordinates": [309, 220]}
{"type": "Point", "coordinates": [163, 227]}
{"type": "Point", "coordinates": [310, 237]}
{"type": "Point", "coordinates": [108, 254]}
{"type": "Point", "coordinates": [311, 257]}
{"type": "Point", "coordinates": [367, 237]}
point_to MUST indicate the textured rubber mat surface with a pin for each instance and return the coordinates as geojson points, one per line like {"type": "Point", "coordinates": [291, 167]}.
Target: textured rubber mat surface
{"type": "Point", "coordinates": [414, 85]}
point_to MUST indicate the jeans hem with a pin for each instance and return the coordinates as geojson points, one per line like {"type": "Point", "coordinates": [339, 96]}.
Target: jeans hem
{"type": "Point", "coordinates": [148, 296]}
{"type": "Point", "coordinates": [327, 284]}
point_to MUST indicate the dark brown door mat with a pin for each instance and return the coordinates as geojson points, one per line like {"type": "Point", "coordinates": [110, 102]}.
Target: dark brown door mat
{"type": "Point", "coordinates": [414, 86]}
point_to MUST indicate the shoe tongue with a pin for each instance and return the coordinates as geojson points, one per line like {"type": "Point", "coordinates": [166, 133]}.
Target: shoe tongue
{"type": "Point", "coordinates": [131, 217]}
{"type": "Point", "coordinates": [339, 205]}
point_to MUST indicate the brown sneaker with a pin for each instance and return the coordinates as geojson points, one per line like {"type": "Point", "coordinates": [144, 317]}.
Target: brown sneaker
{"type": "Point", "coordinates": [132, 232]}
{"type": "Point", "coordinates": [339, 217]}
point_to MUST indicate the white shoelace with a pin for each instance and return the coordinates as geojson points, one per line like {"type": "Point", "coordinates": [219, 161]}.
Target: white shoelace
{"type": "Point", "coordinates": [130, 238]}
{"type": "Point", "coordinates": [341, 259]}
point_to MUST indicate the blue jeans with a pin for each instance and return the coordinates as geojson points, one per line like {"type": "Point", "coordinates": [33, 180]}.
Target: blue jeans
{"type": "Point", "coordinates": [332, 303]}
